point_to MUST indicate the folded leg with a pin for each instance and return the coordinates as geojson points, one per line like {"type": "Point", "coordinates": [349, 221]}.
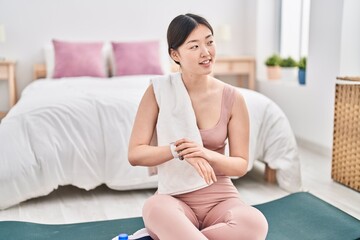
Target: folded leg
{"type": "Point", "coordinates": [166, 217]}
{"type": "Point", "coordinates": [232, 219]}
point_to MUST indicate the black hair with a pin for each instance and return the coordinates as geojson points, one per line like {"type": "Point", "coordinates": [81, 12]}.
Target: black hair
{"type": "Point", "coordinates": [181, 27]}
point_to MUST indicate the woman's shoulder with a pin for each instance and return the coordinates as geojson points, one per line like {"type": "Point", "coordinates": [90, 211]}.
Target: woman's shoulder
{"type": "Point", "coordinates": [221, 84]}
{"type": "Point", "coordinates": [237, 98]}
{"type": "Point", "coordinates": [230, 89]}
{"type": "Point", "coordinates": [165, 81]}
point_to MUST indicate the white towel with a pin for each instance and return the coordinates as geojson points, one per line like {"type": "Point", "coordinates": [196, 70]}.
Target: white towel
{"type": "Point", "coordinates": [139, 234]}
{"type": "Point", "coordinates": [176, 120]}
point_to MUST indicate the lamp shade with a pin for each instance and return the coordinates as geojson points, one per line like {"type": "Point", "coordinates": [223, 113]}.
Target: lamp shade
{"type": "Point", "coordinates": [2, 33]}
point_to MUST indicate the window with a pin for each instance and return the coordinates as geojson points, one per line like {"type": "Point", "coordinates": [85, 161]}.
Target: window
{"type": "Point", "coordinates": [294, 33]}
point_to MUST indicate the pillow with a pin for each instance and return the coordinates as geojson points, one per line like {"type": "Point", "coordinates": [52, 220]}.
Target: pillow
{"type": "Point", "coordinates": [78, 59]}
{"type": "Point", "coordinates": [136, 58]}
{"type": "Point", "coordinates": [50, 58]}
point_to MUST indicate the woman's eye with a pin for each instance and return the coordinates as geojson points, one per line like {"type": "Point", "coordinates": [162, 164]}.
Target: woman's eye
{"type": "Point", "coordinates": [211, 42]}
{"type": "Point", "coordinates": [194, 47]}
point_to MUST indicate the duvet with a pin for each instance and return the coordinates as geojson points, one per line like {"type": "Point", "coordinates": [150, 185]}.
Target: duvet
{"type": "Point", "coordinates": [75, 131]}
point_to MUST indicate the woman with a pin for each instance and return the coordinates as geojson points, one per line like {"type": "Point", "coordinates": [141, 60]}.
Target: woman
{"type": "Point", "coordinates": [214, 211]}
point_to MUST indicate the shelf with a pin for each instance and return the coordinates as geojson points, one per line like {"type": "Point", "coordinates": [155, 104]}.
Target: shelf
{"type": "Point", "coordinates": [281, 82]}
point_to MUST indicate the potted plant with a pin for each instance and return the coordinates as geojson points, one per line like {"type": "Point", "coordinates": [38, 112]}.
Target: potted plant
{"type": "Point", "coordinates": [288, 68]}
{"type": "Point", "coordinates": [273, 67]}
{"type": "Point", "coordinates": [302, 71]}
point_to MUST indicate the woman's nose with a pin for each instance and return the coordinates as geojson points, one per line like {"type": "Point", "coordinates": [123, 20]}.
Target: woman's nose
{"type": "Point", "coordinates": [204, 51]}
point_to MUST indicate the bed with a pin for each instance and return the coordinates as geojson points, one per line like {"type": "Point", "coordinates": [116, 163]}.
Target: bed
{"type": "Point", "coordinates": [75, 131]}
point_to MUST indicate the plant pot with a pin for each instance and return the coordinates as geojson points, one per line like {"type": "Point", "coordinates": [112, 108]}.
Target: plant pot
{"type": "Point", "coordinates": [273, 73]}
{"type": "Point", "coordinates": [301, 76]}
{"type": "Point", "coordinates": [289, 73]}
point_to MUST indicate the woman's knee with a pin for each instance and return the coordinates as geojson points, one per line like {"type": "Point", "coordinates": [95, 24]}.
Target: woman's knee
{"type": "Point", "coordinates": [154, 205]}
{"type": "Point", "coordinates": [258, 223]}
{"type": "Point", "coordinates": [251, 223]}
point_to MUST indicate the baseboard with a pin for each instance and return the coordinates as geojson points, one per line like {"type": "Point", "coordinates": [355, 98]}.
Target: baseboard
{"type": "Point", "coordinates": [314, 147]}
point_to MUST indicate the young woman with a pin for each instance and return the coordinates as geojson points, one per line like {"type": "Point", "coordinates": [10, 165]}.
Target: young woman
{"type": "Point", "coordinates": [214, 211]}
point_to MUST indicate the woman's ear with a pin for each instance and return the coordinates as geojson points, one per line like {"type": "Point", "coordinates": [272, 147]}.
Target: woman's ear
{"type": "Point", "coordinates": [174, 55]}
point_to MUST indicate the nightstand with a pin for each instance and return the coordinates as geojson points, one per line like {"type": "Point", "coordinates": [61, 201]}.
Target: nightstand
{"type": "Point", "coordinates": [7, 73]}
{"type": "Point", "coordinates": [236, 66]}
{"type": "Point", "coordinates": [2, 115]}
{"type": "Point", "coordinates": [233, 66]}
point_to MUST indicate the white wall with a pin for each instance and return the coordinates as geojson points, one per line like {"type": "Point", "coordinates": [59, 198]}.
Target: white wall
{"type": "Point", "coordinates": [350, 39]}
{"type": "Point", "coordinates": [310, 108]}
{"type": "Point", "coordinates": [267, 32]}
{"type": "Point", "coordinates": [333, 43]}
{"type": "Point", "coordinates": [30, 24]}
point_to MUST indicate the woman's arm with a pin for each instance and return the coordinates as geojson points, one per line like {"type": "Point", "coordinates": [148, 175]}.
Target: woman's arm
{"type": "Point", "coordinates": [140, 152]}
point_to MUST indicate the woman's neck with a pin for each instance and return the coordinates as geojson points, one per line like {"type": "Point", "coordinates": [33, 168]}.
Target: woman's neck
{"type": "Point", "coordinates": [195, 83]}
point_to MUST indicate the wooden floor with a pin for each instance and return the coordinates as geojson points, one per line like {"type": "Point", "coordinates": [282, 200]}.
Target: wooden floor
{"type": "Point", "coordinates": [69, 204]}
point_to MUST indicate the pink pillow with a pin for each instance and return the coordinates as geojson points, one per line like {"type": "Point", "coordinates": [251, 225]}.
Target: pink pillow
{"type": "Point", "coordinates": [75, 59]}
{"type": "Point", "coordinates": [136, 58]}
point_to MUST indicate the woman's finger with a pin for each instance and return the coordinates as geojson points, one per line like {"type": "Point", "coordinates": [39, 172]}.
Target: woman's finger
{"type": "Point", "coordinates": [188, 151]}
{"type": "Point", "coordinates": [183, 146]}
{"type": "Point", "coordinates": [211, 173]}
{"type": "Point", "coordinates": [192, 154]}
{"type": "Point", "coordinates": [213, 176]}
{"type": "Point", "coordinates": [203, 168]}
{"type": "Point", "coordinates": [198, 169]}
{"type": "Point", "coordinates": [206, 172]}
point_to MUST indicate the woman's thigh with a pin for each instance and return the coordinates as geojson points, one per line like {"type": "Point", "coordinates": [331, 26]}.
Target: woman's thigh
{"type": "Point", "coordinates": [166, 217]}
{"type": "Point", "coordinates": [233, 218]}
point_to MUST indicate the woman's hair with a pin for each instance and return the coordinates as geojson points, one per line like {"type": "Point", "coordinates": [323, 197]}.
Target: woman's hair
{"type": "Point", "coordinates": [181, 27]}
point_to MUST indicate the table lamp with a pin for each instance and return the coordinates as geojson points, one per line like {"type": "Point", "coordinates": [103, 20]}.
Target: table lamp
{"type": "Point", "coordinates": [223, 36]}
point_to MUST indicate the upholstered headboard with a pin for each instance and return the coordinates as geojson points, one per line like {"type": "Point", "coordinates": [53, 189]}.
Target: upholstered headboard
{"type": "Point", "coordinates": [39, 70]}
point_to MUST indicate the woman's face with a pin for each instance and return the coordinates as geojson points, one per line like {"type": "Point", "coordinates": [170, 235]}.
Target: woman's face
{"type": "Point", "coordinates": [197, 54]}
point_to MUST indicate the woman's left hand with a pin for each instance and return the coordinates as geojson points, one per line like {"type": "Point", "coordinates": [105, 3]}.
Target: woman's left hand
{"type": "Point", "coordinates": [190, 149]}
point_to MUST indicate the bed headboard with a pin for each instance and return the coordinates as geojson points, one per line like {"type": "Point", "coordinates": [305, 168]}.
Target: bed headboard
{"type": "Point", "coordinates": [39, 71]}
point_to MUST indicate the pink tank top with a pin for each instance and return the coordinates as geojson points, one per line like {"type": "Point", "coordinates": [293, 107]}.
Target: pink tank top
{"type": "Point", "coordinates": [215, 138]}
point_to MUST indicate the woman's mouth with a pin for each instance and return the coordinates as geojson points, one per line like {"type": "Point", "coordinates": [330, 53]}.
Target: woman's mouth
{"type": "Point", "coordinates": [205, 62]}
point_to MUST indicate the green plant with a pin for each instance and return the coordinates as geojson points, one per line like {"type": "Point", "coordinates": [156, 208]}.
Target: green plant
{"type": "Point", "coordinates": [288, 62]}
{"type": "Point", "coordinates": [273, 60]}
{"type": "Point", "coordinates": [302, 63]}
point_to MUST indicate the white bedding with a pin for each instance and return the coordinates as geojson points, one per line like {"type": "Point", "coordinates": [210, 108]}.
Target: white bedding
{"type": "Point", "coordinates": [76, 130]}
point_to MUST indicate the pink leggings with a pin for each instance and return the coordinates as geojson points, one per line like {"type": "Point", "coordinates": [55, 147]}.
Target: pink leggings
{"type": "Point", "coordinates": [214, 212]}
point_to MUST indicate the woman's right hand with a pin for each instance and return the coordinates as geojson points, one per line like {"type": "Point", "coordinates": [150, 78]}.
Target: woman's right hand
{"type": "Point", "coordinates": [203, 168]}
